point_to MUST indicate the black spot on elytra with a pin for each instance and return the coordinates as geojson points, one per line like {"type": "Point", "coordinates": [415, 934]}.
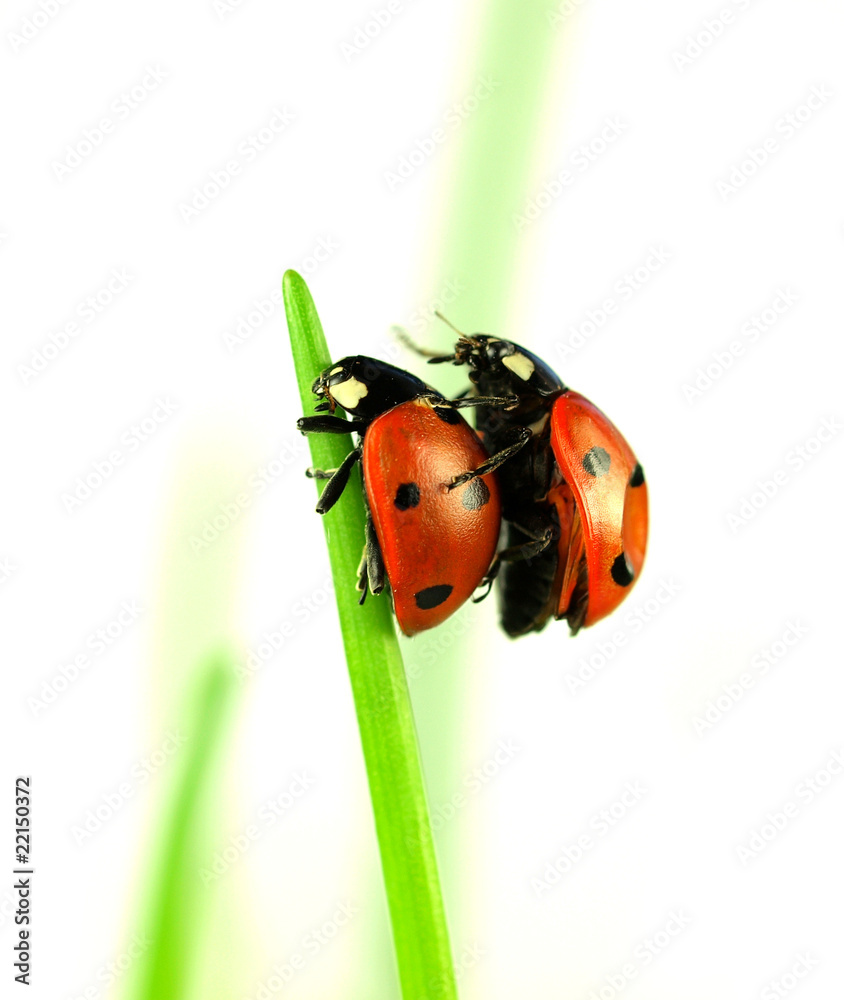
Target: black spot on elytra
{"type": "Point", "coordinates": [622, 571]}
{"type": "Point", "coordinates": [596, 461]}
{"type": "Point", "coordinates": [448, 414]}
{"type": "Point", "coordinates": [432, 597]}
{"type": "Point", "coordinates": [407, 495]}
{"type": "Point", "coordinates": [637, 476]}
{"type": "Point", "coordinates": [475, 495]}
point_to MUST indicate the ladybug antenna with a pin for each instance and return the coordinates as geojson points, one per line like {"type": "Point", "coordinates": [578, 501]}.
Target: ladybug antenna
{"type": "Point", "coordinates": [403, 337]}
{"type": "Point", "coordinates": [448, 322]}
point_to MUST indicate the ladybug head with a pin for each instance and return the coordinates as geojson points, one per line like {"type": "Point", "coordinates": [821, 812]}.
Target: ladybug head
{"type": "Point", "coordinates": [365, 387]}
{"type": "Point", "coordinates": [501, 366]}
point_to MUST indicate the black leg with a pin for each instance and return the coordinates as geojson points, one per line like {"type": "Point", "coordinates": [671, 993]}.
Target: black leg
{"type": "Point", "coordinates": [374, 559]}
{"type": "Point", "coordinates": [335, 486]}
{"type": "Point", "coordinates": [363, 578]}
{"type": "Point", "coordinates": [326, 424]}
{"type": "Point", "coordinates": [313, 473]}
{"type": "Point", "coordinates": [515, 553]}
{"type": "Point", "coordinates": [371, 575]}
{"type": "Point", "coordinates": [492, 463]}
{"type": "Point", "coordinates": [404, 337]}
{"type": "Point", "coordinates": [508, 402]}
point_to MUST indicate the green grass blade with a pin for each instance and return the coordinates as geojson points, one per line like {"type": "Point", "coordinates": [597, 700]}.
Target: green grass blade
{"type": "Point", "coordinates": [382, 702]}
{"type": "Point", "coordinates": [177, 901]}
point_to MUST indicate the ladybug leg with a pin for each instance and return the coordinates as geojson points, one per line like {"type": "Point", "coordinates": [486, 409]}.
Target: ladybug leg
{"type": "Point", "coordinates": [325, 424]}
{"type": "Point", "coordinates": [492, 463]}
{"type": "Point", "coordinates": [337, 483]}
{"type": "Point", "coordinates": [461, 402]}
{"type": "Point", "coordinates": [371, 571]}
{"type": "Point", "coordinates": [403, 337]}
{"type": "Point", "coordinates": [363, 579]}
{"type": "Point", "coordinates": [515, 553]}
{"type": "Point", "coordinates": [374, 559]}
{"type": "Point", "coordinates": [313, 473]}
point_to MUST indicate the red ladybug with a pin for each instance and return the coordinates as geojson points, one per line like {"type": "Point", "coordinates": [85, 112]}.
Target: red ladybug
{"type": "Point", "coordinates": [574, 482]}
{"type": "Point", "coordinates": [430, 538]}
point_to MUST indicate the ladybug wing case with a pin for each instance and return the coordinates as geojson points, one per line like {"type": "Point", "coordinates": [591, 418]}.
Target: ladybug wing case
{"type": "Point", "coordinates": [611, 496]}
{"type": "Point", "coordinates": [437, 544]}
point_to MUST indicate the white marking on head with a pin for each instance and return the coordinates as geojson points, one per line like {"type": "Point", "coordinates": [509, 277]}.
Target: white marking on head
{"type": "Point", "coordinates": [519, 365]}
{"type": "Point", "coordinates": [334, 371]}
{"type": "Point", "coordinates": [349, 393]}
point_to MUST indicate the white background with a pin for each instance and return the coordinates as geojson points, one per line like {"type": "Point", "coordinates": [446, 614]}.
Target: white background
{"type": "Point", "coordinates": [734, 589]}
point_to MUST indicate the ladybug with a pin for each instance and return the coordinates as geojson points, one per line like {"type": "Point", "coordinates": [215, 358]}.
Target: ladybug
{"type": "Point", "coordinates": [573, 495]}
{"type": "Point", "coordinates": [433, 504]}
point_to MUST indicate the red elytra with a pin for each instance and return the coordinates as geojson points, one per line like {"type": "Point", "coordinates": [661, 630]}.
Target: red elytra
{"type": "Point", "coordinates": [437, 543]}
{"type": "Point", "coordinates": [607, 525]}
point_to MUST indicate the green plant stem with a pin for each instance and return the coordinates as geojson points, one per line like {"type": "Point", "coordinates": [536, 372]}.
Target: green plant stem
{"type": "Point", "coordinates": [382, 701]}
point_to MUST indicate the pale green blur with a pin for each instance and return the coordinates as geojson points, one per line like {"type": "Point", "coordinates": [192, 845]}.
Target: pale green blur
{"type": "Point", "coordinates": [193, 924]}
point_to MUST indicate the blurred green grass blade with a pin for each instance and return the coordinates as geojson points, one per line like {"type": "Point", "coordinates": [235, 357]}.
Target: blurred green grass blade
{"type": "Point", "coordinates": [491, 168]}
{"type": "Point", "coordinates": [382, 702]}
{"type": "Point", "coordinates": [178, 900]}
